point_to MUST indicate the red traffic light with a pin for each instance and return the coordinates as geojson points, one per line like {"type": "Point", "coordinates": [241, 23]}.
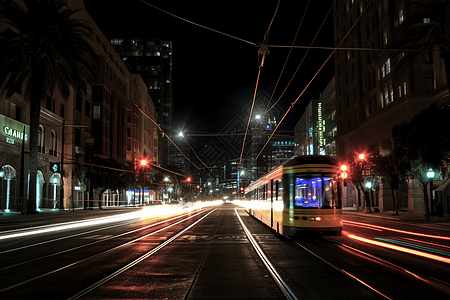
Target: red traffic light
{"type": "Point", "coordinates": [344, 171]}
{"type": "Point", "coordinates": [198, 186]}
{"type": "Point", "coordinates": [242, 188]}
{"type": "Point", "coordinates": [189, 179]}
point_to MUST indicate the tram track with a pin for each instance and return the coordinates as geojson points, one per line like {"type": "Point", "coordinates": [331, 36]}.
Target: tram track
{"type": "Point", "coordinates": [360, 281]}
{"type": "Point", "coordinates": [284, 288]}
{"type": "Point", "coordinates": [134, 262]}
{"type": "Point", "coordinates": [57, 269]}
{"type": "Point", "coordinates": [83, 245]}
{"type": "Point", "coordinates": [278, 279]}
{"type": "Point", "coordinates": [435, 283]}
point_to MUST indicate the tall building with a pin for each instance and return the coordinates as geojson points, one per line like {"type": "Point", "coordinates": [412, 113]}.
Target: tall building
{"type": "Point", "coordinates": [372, 94]}
{"type": "Point", "coordinates": [316, 130]}
{"type": "Point", "coordinates": [111, 121]}
{"type": "Point", "coordinates": [280, 148]}
{"type": "Point", "coordinates": [152, 59]}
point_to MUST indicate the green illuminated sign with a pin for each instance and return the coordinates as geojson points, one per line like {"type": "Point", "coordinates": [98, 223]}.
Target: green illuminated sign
{"type": "Point", "coordinates": [13, 130]}
{"type": "Point", "coordinates": [320, 127]}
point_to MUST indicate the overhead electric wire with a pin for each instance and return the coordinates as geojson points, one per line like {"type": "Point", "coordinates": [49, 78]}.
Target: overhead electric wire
{"type": "Point", "coordinates": [143, 113]}
{"type": "Point", "coordinates": [173, 15]}
{"type": "Point", "coordinates": [287, 58]}
{"type": "Point", "coordinates": [195, 153]}
{"type": "Point", "coordinates": [301, 62]}
{"type": "Point", "coordinates": [292, 104]}
{"type": "Point", "coordinates": [266, 36]}
{"type": "Point", "coordinates": [357, 48]}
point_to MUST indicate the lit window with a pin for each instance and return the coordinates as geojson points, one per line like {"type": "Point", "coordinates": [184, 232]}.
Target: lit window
{"type": "Point", "coordinates": [97, 112]}
{"type": "Point", "coordinates": [426, 20]}
{"type": "Point", "coordinates": [404, 88]}
{"type": "Point", "coordinates": [400, 17]}
{"type": "Point", "coordinates": [399, 90]}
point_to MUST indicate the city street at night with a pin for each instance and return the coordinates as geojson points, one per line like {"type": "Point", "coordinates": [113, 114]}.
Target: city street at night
{"type": "Point", "coordinates": [203, 252]}
{"type": "Point", "coordinates": [232, 149]}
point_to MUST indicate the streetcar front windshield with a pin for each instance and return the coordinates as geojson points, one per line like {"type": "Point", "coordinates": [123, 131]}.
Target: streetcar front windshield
{"type": "Point", "coordinates": [315, 192]}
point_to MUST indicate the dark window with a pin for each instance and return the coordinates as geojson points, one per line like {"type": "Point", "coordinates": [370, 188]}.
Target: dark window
{"type": "Point", "coordinates": [79, 104]}
{"type": "Point", "coordinates": [87, 107]}
{"type": "Point", "coordinates": [48, 104]}
{"type": "Point", "coordinates": [97, 129]}
{"type": "Point", "coordinates": [77, 137]}
{"type": "Point", "coordinates": [61, 110]}
{"type": "Point", "coordinates": [97, 94]}
{"type": "Point", "coordinates": [19, 113]}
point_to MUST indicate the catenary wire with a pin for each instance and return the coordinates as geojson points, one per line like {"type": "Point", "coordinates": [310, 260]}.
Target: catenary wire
{"type": "Point", "coordinates": [284, 91]}
{"type": "Point", "coordinates": [266, 36]}
{"type": "Point", "coordinates": [315, 75]}
{"type": "Point", "coordinates": [173, 15]}
{"type": "Point", "coordinates": [144, 114]}
{"type": "Point", "coordinates": [287, 58]}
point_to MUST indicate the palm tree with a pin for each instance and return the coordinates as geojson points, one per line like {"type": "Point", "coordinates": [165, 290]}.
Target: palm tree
{"type": "Point", "coordinates": [43, 48]}
{"type": "Point", "coordinates": [425, 28]}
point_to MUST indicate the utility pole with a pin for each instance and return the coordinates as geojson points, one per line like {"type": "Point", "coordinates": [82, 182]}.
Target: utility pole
{"type": "Point", "coordinates": [61, 192]}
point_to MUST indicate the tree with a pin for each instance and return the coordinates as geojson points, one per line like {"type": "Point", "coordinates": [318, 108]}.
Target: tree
{"type": "Point", "coordinates": [43, 48]}
{"type": "Point", "coordinates": [356, 172]}
{"type": "Point", "coordinates": [389, 167]}
{"type": "Point", "coordinates": [424, 143]}
{"type": "Point", "coordinates": [426, 28]}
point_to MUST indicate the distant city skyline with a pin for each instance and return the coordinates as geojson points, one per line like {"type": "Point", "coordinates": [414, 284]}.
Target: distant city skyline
{"type": "Point", "coordinates": [214, 76]}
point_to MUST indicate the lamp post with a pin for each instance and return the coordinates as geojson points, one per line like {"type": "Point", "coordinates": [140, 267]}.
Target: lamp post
{"type": "Point", "coordinates": [430, 176]}
{"type": "Point", "coordinates": [143, 165]}
{"type": "Point", "coordinates": [166, 180]}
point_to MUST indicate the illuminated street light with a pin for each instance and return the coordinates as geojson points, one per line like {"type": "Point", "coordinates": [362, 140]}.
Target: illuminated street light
{"type": "Point", "coordinates": [361, 156]}
{"type": "Point", "coordinates": [368, 184]}
{"type": "Point", "coordinates": [430, 175]}
{"type": "Point", "coordinates": [181, 134]}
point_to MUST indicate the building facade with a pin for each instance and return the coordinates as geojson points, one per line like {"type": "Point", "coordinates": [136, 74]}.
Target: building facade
{"type": "Point", "coordinates": [372, 95]}
{"type": "Point", "coordinates": [99, 123]}
{"type": "Point", "coordinates": [152, 59]}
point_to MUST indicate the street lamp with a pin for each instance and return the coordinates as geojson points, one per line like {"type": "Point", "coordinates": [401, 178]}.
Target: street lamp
{"type": "Point", "coordinates": [430, 176]}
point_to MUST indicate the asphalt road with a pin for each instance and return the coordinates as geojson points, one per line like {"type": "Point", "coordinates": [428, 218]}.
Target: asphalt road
{"type": "Point", "coordinates": [206, 254]}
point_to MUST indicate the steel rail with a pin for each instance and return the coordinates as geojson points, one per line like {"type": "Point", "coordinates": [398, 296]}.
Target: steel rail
{"type": "Point", "coordinates": [135, 262]}
{"type": "Point", "coordinates": [88, 244]}
{"type": "Point", "coordinates": [93, 256]}
{"type": "Point", "coordinates": [278, 279]}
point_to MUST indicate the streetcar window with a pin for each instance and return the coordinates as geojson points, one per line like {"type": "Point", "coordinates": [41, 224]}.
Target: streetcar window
{"type": "Point", "coordinates": [328, 198]}
{"type": "Point", "coordinates": [314, 192]}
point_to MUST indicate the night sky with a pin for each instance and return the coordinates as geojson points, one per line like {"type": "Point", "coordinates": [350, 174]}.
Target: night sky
{"type": "Point", "coordinates": [215, 75]}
